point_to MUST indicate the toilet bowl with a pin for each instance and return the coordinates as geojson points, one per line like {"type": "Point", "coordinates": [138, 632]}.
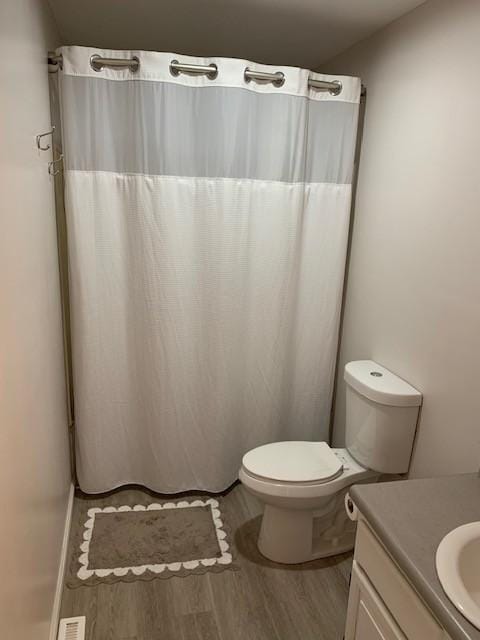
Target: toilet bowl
{"type": "Point", "coordinates": [303, 484]}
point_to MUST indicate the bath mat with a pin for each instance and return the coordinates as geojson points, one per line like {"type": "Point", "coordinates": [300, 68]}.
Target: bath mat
{"type": "Point", "coordinates": [147, 541]}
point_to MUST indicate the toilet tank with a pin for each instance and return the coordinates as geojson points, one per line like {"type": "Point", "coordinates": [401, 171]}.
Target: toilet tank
{"type": "Point", "coordinates": [381, 417]}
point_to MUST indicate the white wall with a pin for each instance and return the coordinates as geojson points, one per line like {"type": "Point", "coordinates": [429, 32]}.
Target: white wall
{"type": "Point", "coordinates": [34, 467]}
{"type": "Point", "coordinates": [413, 296]}
{"type": "Point", "coordinates": [279, 32]}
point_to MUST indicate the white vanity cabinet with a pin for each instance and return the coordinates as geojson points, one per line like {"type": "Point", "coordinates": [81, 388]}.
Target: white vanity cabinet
{"type": "Point", "coordinates": [368, 618]}
{"type": "Point", "coordinates": [382, 603]}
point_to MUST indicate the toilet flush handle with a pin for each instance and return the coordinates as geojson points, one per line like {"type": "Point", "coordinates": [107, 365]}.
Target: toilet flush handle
{"type": "Point", "coordinates": [350, 508]}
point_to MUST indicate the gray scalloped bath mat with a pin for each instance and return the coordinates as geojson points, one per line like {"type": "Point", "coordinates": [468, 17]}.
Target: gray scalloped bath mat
{"type": "Point", "coordinates": [147, 541]}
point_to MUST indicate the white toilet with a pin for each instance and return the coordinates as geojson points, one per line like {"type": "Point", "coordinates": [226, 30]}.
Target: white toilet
{"type": "Point", "coordinates": [303, 484]}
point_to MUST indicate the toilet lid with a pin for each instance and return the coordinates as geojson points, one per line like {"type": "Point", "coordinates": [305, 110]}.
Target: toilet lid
{"type": "Point", "coordinates": [293, 462]}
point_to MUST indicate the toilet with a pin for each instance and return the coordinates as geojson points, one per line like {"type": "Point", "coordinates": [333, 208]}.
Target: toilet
{"type": "Point", "coordinates": [304, 484]}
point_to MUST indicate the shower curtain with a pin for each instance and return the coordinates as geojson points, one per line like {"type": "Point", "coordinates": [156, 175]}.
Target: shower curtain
{"type": "Point", "coordinates": [207, 230]}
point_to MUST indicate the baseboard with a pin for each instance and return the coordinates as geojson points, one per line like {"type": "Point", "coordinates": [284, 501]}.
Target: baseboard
{"type": "Point", "coordinates": [61, 569]}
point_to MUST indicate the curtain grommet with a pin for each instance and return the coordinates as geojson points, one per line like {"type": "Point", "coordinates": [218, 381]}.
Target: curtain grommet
{"type": "Point", "coordinates": [214, 72]}
{"type": "Point", "coordinates": [135, 66]}
{"type": "Point", "coordinates": [338, 90]}
{"type": "Point", "coordinates": [281, 79]}
{"type": "Point", "coordinates": [96, 66]}
{"type": "Point", "coordinates": [173, 70]}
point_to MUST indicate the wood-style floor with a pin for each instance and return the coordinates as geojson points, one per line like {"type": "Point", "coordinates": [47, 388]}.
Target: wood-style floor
{"type": "Point", "coordinates": [261, 601]}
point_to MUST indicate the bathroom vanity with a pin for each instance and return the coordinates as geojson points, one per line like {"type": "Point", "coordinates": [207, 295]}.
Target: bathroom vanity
{"type": "Point", "coordinates": [395, 593]}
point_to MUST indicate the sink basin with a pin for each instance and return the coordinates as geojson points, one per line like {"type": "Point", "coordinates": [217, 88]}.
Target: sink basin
{"type": "Point", "coordinates": [458, 569]}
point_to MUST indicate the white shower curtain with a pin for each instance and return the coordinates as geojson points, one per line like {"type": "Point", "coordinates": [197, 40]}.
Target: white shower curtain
{"type": "Point", "coordinates": [207, 228]}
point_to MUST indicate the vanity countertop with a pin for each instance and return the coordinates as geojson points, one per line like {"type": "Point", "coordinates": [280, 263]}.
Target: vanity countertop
{"type": "Point", "coordinates": [411, 517]}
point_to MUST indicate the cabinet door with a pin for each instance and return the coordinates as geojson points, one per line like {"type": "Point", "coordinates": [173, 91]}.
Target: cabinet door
{"type": "Point", "coordinates": [367, 617]}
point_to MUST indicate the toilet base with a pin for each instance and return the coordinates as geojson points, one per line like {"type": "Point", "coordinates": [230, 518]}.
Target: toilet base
{"type": "Point", "coordinates": [293, 536]}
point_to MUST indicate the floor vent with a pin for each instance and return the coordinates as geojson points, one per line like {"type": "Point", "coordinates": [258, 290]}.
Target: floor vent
{"type": "Point", "coordinates": [72, 628]}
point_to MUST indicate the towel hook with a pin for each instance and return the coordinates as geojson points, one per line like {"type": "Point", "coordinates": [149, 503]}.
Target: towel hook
{"type": "Point", "coordinates": [51, 166]}
{"type": "Point", "coordinates": [42, 135]}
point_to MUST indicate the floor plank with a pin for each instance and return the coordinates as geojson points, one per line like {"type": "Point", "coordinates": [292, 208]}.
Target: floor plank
{"type": "Point", "coordinates": [199, 626]}
{"type": "Point", "coordinates": [154, 609]}
{"type": "Point", "coordinates": [191, 595]}
{"type": "Point", "coordinates": [262, 600]}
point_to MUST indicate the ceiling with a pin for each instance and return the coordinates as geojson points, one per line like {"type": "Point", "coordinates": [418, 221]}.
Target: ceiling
{"type": "Point", "coordinates": [301, 33]}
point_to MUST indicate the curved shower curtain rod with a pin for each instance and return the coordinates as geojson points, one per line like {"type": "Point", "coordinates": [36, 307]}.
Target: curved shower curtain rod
{"type": "Point", "coordinates": [211, 71]}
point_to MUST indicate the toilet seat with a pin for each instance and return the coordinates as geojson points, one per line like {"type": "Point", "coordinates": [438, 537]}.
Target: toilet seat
{"type": "Point", "coordinates": [349, 473]}
{"type": "Point", "coordinates": [295, 462]}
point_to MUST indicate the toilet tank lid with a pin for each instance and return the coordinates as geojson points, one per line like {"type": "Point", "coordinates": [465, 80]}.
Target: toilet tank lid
{"type": "Point", "coordinates": [381, 385]}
